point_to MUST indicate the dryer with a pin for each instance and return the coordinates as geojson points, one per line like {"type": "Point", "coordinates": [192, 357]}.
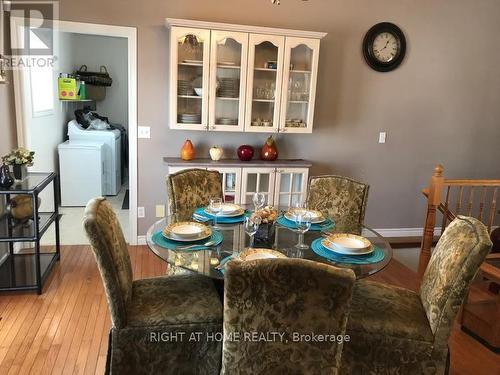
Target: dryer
{"type": "Point", "coordinates": [112, 152]}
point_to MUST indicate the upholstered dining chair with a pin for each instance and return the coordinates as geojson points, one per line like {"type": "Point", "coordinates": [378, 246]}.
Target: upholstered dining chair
{"type": "Point", "coordinates": [152, 319]}
{"type": "Point", "coordinates": [288, 297]}
{"type": "Point", "coordinates": [192, 188]}
{"type": "Point", "coordinates": [340, 198]}
{"type": "Point", "coordinates": [397, 331]}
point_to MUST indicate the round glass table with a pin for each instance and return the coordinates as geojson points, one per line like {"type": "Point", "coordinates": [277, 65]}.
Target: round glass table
{"type": "Point", "coordinates": [236, 240]}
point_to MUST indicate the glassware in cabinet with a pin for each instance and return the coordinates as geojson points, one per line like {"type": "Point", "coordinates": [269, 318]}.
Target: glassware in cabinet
{"type": "Point", "coordinates": [265, 61]}
{"type": "Point", "coordinates": [299, 85]}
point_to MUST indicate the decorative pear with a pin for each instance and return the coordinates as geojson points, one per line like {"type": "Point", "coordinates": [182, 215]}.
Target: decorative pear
{"type": "Point", "coordinates": [269, 151]}
{"type": "Point", "coordinates": [187, 150]}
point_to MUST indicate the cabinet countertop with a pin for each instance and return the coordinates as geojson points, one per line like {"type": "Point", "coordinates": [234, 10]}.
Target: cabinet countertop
{"type": "Point", "coordinates": [205, 162]}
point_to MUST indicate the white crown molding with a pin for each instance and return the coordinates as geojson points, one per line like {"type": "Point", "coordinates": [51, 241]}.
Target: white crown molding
{"type": "Point", "coordinates": [169, 22]}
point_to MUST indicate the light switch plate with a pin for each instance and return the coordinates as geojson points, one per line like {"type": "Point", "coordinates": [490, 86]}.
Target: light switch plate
{"type": "Point", "coordinates": [381, 137]}
{"type": "Point", "coordinates": [141, 212]}
{"type": "Point", "coordinates": [160, 210]}
{"type": "Point", "coordinates": [143, 132]}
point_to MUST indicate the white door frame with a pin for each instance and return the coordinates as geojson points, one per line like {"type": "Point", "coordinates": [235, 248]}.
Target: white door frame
{"type": "Point", "coordinates": [130, 33]}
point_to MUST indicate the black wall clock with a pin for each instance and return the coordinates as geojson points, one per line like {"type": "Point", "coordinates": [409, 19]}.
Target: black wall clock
{"type": "Point", "coordinates": [384, 47]}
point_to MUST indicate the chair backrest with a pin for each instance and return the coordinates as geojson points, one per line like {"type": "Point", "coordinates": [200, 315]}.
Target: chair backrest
{"type": "Point", "coordinates": [453, 197]}
{"type": "Point", "coordinates": [192, 188]}
{"type": "Point", "coordinates": [284, 296]}
{"type": "Point", "coordinates": [455, 261]}
{"type": "Point", "coordinates": [111, 253]}
{"type": "Point", "coordinates": [340, 198]}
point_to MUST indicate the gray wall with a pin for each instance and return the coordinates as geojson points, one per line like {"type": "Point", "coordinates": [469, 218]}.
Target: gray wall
{"type": "Point", "coordinates": [441, 105]}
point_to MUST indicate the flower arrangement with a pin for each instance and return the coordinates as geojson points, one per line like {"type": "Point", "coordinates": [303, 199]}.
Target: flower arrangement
{"type": "Point", "coordinates": [19, 156]}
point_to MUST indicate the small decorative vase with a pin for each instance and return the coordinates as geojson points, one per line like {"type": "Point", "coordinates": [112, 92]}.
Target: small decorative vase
{"type": "Point", "coordinates": [20, 172]}
{"type": "Point", "coordinates": [216, 153]}
{"type": "Point", "coordinates": [187, 150]}
{"type": "Point", "coordinates": [269, 151]}
{"type": "Point", "coordinates": [6, 179]}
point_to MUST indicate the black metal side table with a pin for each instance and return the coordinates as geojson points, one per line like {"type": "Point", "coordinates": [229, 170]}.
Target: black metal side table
{"type": "Point", "coordinates": [27, 265]}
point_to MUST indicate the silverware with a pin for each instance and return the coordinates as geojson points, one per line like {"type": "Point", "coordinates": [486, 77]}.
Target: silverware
{"type": "Point", "coordinates": [201, 217]}
{"type": "Point", "coordinates": [206, 244]}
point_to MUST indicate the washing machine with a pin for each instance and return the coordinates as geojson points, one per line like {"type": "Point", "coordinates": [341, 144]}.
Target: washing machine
{"type": "Point", "coordinates": [112, 152]}
{"type": "Point", "coordinates": [81, 172]}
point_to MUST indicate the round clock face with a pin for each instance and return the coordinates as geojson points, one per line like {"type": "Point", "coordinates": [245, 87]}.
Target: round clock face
{"type": "Point", "coordinates": [384, 47]}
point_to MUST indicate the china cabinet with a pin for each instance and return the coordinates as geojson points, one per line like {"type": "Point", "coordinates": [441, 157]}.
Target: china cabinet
{"type": "Point", "coordinates": [283, 182]}
{"type": "Point", "coordinates": [239, 78]}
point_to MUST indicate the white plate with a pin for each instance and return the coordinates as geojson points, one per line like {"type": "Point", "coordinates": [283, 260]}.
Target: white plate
{"type": "Point", "coordinates": [254, 254]}
{"type": "Point", "coordinates": [187, 231]}
{"type": "Point", "coordinates": [344, 251]}
{"type": "Point", "coordinates": [187, 61]}
{"type": "Point", "coordinates": [315, 217]}
{"type": "Point", "coordinates": [228, 210]}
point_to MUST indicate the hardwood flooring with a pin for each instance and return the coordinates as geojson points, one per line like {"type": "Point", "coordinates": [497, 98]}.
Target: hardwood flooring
{"type": "Point", "coordinates": [65, 330]}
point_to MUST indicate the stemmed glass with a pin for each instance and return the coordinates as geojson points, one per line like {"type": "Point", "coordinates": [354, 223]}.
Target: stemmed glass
{"type": "Point", "coordinates": [303, 223]}
{"type": "Point", "coordinates": [258, 199]}
{"type": "Point", "coordinates": [215, 207]}
{"type": "Point", "coordinates": [251, 227]}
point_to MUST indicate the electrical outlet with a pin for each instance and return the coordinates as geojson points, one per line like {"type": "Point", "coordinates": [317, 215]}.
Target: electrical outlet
{"type": "Point", "coordinates": [143, 132]}
{"type": "Point", "coordinates": [141, 212]}
{"type": "Point", "coordinates": [381, 137]}
{"type": "Point", "coordinates": [160, 210]}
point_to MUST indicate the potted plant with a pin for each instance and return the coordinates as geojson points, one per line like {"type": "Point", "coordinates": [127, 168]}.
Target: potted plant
{"type": "Point", "coordinates": [20, 159]}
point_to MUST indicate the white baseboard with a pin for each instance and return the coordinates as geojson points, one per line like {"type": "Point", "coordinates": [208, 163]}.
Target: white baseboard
{"type": "Point", "coordinates": [384, 232]}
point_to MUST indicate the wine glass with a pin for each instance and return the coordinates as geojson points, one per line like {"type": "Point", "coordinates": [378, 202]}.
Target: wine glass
{"type": "Point", "coordinates": [303, 224]}
{"type": "Point", "coordinates": [258, 199]}
{"type": "Point", "coordinates": [251, 227]}
{"type": "Point", "coordinates": [297, 207]}
{"type": "Point", "coordinates": [215, 207]}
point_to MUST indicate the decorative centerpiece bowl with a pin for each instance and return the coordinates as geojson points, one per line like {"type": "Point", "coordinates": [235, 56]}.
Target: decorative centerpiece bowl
{"type": "Point", "coordinates": [265, 233]}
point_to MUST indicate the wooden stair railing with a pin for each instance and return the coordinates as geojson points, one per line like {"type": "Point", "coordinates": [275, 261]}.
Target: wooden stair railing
{"type": "Point", "coordinates": [462, 193]}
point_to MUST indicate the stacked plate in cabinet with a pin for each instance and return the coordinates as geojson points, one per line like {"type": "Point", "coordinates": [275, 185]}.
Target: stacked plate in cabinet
{"type": "Point", "coordinates": [184, 87]}
{"type": "Point", "coordinates": [227, 121]}
{"type": "Point", "coordinates": [229, 87]}
{"type": "Point", "coordinates": [189, 118]}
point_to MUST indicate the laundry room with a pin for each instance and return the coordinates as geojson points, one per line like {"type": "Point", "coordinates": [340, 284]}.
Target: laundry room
{"type": "Point", "coordinates": [78, 127]}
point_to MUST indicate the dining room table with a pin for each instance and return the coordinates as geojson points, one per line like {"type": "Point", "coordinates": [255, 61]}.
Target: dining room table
{"type": "Point", "coordinates": [229, 240]}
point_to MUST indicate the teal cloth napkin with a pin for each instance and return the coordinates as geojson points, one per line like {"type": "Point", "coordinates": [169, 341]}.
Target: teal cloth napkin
{"type": "Point", "coordinates": [374, 257]}
{"type": "Point", "coordinates": [159, 239]}
{"type": "Point", "coordinates": [222, 265]}
{"type": "Point", "coordinates": [202, 216]}
{"type": "Point", "coordinates": [325, 225]}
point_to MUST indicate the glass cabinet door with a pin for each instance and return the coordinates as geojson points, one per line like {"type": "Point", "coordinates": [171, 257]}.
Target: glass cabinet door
{"type": "Point", "coordinates": [257, 180]}
{"type": "Point", "coordinates": [299, 85]}
{"type": "Point", "coordinates": [291, 186]}
{"type": "Point", "coordinates": [265, 62]}
{"type": "Point", "coordinates": [189, 78]}
{"type": "Point", "coordinates": [228, 64]}
{"type": "Point", "coordinates": [231, 184]}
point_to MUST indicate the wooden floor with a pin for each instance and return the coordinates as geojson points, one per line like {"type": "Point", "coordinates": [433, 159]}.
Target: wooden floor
{"type": "Point", "coordinates": [64, 330]}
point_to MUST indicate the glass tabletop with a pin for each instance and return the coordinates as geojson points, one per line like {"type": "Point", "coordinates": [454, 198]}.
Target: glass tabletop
{"type": "Point", "coordinates": [236, 240]}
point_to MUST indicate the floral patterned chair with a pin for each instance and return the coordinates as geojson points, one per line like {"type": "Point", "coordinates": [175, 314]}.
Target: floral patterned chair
{"type": "Point", "coordinates": [397, 331]}
{"type": "Point", "coordinates": [340, 198]}
{"type": "Point", "coordinates": [290, 297]}
{"type": "Point", "coordinates": [149, 316]}
{"type": "Point", "coordinates": [192, 188]}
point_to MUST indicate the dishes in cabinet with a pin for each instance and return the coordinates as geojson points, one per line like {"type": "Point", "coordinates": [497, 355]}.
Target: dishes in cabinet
{"type": "Point", "coordinates": [296, 123]}
{"type": "Point", "coordinates": [198, 91]}
{"type": "Point", "coordinates": [191, 61]}
{"type": "Point", "coordinates": [228, 87]}
{"type": "Point", "coordinates": [189, 118]}
{"type": "Point", "coordinates": [184, 88]}
{"type": "Point", "coordinates": [226, 121]}
{"type": "Point", "coordinates": [226, 63]}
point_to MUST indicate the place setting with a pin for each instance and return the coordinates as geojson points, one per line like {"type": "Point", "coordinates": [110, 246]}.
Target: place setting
{"type": "Point", "coordinates": [188, 236]}
{"type": "Point", "coordinates": [220, 212]}
{"type": "Point", "coordinates": [299, 212]}
{"type": "Point", "coordinates": [347, 248]}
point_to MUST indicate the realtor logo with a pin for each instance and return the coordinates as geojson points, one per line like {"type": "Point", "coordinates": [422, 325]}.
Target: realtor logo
{"type": "Point", "coordinates": [33, 32]}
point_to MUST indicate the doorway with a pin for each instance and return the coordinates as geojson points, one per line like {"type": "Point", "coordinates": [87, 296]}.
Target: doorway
{"type": "Point", "coordinates": [50, 126]}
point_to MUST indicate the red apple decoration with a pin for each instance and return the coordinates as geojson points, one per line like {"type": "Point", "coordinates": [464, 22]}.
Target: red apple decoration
{"type": "Point", "coordinates": [269, 151]}
{"type": "Point", "coordinates": [245, 152]}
